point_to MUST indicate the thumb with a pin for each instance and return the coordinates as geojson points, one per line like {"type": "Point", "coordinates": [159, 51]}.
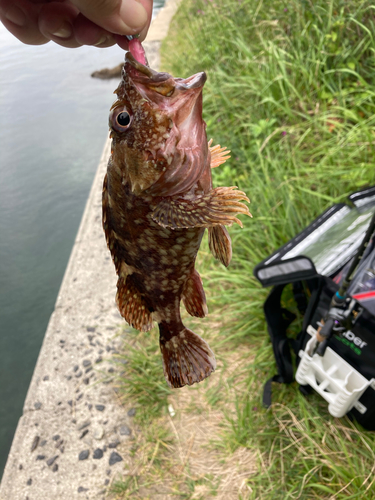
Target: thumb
{"type": "Point", "coordinates": [123, 17]}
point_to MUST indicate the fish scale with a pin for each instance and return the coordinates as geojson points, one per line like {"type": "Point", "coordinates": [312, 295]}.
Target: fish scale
{"type": "Point", "coordinates": [158, 200]}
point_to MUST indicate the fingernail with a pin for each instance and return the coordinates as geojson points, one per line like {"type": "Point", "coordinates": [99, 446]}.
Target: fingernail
{"type": "Point", "coordinates": [65, 31]}
{"type": "Point", "coordinates": [16, 16]}
{"type": "Point", "coordinates": [133, 15]}
{"type": "Point", "coordinates": [101, 40]}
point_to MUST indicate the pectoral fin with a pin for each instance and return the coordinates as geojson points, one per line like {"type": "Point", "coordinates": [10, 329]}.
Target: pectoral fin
{"type": "Point", "coordinates": [218, 207]}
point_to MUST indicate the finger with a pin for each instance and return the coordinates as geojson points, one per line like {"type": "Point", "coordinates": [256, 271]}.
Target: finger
{"type": "Point", "coordinates": [122, 41]}
{"type": "Point", "coordinates": [147, 4]}
{"type": "Point", "coordinates": [124, 17]}
{"type": "Point", "coordinates": [88, 33]}
{"type": "Point", "coordinates": [56, 23]}
{"type": "Point", "coordinates": [20, 17]}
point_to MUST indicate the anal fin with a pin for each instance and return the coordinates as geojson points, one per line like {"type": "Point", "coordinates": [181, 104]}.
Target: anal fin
{"type": "Point", "coordinates": [194, 297]}
{"type": "Point", "coordinates": [218, 207]}
{"type": "Point", "coordinates": [220, 244]}
{"type": "Point", "coordinates": [132, 306]}
{"type": "Point", "coordinates": [187, 358]}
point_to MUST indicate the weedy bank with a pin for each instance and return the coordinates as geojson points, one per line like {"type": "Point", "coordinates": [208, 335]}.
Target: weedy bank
{"type": "Point", "coordinates": [290, 91]}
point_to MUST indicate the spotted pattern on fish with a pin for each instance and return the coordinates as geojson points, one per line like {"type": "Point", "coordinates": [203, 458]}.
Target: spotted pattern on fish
{"type": "Point", "coordinates": [157, 202]}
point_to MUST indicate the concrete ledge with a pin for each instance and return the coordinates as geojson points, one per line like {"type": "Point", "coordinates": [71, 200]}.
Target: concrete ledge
{"type": "Point", "coordinates": [74, 436]}
{"type": "Point", "coordinates": [160, 25]}
{"type": "Point", "coordinates": [64, 393]}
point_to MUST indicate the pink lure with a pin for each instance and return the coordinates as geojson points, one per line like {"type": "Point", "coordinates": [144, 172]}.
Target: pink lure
{"type": "Point", "coordinates": [137, 51]}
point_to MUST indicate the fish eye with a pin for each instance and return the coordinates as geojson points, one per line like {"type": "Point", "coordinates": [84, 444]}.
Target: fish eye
{"type": "Point", "coordinates": [120, 119]}
{"type": "Point", "coordinates": [123, 119]}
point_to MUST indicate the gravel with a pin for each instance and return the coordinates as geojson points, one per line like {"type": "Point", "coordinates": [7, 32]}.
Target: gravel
{"type": "Point", "coordinates": [125, 430]}
{"type": "Point", "coordinates": [98, 453]}
{"type": "Point", "coordinates": [84, 425]}
{"type": "Point", "coordinates": [35, 443]}
{"type": "Point", "coordinates": [114, 458]}
{"type": "Point", "coordinates": [84, 455]}
{"type": "Point", "coordinates": [51, 460]}
{"type": "Point", "coordinates": [83, 434]}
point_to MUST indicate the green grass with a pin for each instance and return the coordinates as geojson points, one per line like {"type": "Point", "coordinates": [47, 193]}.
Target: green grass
{"type": "Point", "coordinates": [277, 84]}
{"type": "Point", "coordinates": [144, 368]}
{"type": "Point", "coordinates": [290, 92]}
{"type": "Point", "coordinates": [142, 382]}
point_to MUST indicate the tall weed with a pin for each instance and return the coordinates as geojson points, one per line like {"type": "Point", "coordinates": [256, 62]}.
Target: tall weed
{"type": "Point", "coordinates": [290, 91]}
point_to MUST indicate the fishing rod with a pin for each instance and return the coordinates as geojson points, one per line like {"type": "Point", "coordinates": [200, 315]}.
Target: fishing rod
{"type": "Point", "coordinates": [340, 317]}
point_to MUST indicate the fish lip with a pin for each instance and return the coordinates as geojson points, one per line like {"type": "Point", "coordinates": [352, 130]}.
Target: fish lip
{"type": "Point", "coordinates": [193, 82]}
{"type": "Point", "coordinates": [145, 70]}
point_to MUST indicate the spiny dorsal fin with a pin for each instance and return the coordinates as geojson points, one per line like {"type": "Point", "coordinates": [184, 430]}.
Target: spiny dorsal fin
{"type": "Point", "coordinates": [219, 155]}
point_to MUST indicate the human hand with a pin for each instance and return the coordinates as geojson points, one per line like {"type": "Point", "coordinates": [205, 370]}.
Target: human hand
{"type": "Point", "coordinates": [72, 23]}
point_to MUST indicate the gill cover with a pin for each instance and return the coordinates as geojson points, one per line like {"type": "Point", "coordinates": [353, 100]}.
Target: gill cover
{"type": "Point", "coordinates": [169, 110]}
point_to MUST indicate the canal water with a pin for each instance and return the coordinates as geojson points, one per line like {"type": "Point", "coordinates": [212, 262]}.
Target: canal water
{"type": "Point", "coordinates": [53, 127]}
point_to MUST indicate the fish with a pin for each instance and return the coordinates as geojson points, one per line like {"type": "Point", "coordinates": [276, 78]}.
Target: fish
{"type": "Point", "coordinates": [158, 200]}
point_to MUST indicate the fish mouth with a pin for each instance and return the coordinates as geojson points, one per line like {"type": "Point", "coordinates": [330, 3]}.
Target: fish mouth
{"type": "Point", "coordinates": [144, 70]}
{"type": "Point", "coordinates": [162, 83]}
{"type": "Point", "coordinates": [193, 82]}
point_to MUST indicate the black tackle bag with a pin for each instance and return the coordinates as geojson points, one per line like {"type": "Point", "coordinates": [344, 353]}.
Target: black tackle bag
{"type": "Point", "coordinates": [314, 263]}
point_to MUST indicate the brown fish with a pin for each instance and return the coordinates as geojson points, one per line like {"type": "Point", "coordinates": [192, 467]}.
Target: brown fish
{"type": "Point", "coordinates": [157, 201]}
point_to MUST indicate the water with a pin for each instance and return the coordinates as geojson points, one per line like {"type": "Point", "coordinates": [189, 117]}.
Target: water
{"type": "Point", "coordinates": [53, 126]}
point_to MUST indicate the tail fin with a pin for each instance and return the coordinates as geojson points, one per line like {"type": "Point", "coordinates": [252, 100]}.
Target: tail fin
{"type": "Point", "coordinates": [187, 358]}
